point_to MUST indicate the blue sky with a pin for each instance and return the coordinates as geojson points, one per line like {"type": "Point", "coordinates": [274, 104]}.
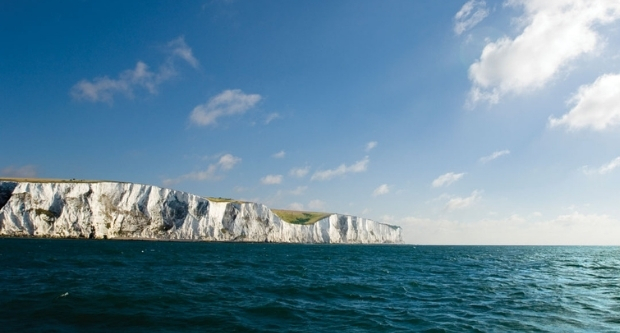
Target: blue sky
{"type": "Point", "coordinates": [464, 122]}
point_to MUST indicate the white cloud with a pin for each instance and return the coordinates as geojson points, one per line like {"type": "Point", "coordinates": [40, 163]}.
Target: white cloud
{"type": "Point", "coordinates": [271, 117]}
{"type": "Point", "coordinates": [596, 106]}
{"type": "Point", "coordinates": [493, 156]}
{"type": "Point", "coordinates": [472, 13]}
{"type": "Point", "coordinates": [460, 203]}
{"type": "Point", "coordinates": [604, 169]}
{"type": "Point", "coordinates": [316, 205]}
{"type": "Point", "coordinates": [299, 190]}
{"type": "Point", "coordinates": [447, 179]}
{"type": "Point", "coordinates": [609, 167]}
{"type": "Point", "coordinates": [228, 161]}
{"type": "Point", "coordinates": [570, 229]}
{"type": "Point", "coordinates": [299, 172]}
{"type": "Point", "coordinates": [370, 145]}
{"type": "Point", "coordinates": [271, 179]}
{"type": "Point", "coordinates": [381, 190]}
{"type": "Point", "coordinates": [227, 103]}
{"type": "Point", "coordinates": [279, 154]}
{"type": "Point", "coordinates": [554, 34]}
{"type": "Point", "coordinates": [26, 171]}
{"type": "Point", "coordinates": [179, 48]}
{"type": "Point", "coordinates": [296, 206]}
{"type": "Point", "coordinates": [359, 166]}
{"type": "Point", "coordinates": [212, 172]}
{"type": "Point", "coordinates": [103, 89]}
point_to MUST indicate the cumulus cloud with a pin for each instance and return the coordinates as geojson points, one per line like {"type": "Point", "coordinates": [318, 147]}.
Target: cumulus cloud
{"type": "Point", "coordinates": [370, 145]}
{"type": "Point", "coordinates": [596, 106]}
{"type": "Point", "coordinates": [603, 169]}
{"type": "Point", "coordinates": [228, 161]}
{"type": "Point", "coordinates": [447, 179]}
{"type": "Point", "coordinates": [359, 166]}
{"type": "Point", "coordinates": [212, 172]}
{"type": "Point", "coordinates": [271, 179]}
{"type": "Point", "coordinates": [26, 171]}
{"type": "Point", "coordinates": [103, 89]}
{"type": "Point", "coordinates": [609, 167]}
{"type": "Point", "coordinates": [279, 154]}
{"type": "Point", "coordinates": [493, 156]}
{"type": "Point", "coordinates": [299, 172]}
{"type": "Point", "coordinates": [568, 229]}
{"type": "Point", "coordinates": [460, 203]}
{"type": "Point", "coordinates": [472, 13]}
{"type": "Point", "coordinates": [554, 34]}
{"type": "Point", "coordinates": [179, 48]}
{"type": "Point", "coordinates": [227, 103]}
{"type": "Point", "coordinates": [381, 190]}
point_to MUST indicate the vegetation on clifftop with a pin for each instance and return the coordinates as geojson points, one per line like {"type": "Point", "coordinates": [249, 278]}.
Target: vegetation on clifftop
{"type": "Point", "coordinates": [218, 199]}
{"type": "Point", "coordinates": [298, 217]}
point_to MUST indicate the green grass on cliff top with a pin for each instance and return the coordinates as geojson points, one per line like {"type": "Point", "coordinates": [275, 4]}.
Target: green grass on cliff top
{"type": "Point", "coordinates": [298, 217]}
{"type": "Point", "coordinates": [219, 199]}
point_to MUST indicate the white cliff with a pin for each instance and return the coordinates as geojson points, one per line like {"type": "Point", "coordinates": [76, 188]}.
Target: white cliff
{"type": "Point", "coordinates": [127, 210]}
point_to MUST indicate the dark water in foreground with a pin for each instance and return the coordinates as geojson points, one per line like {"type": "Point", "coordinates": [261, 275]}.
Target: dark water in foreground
{"type": "Point", "coordinates": [78, 286]}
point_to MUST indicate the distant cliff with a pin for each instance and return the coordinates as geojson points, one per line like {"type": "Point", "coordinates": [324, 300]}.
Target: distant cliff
{"type": "Point", "coordinates": [126, 210]}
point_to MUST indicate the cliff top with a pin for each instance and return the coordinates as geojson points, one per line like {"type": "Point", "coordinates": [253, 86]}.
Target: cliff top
{"type": "Point", "coordinates": [299, 217]}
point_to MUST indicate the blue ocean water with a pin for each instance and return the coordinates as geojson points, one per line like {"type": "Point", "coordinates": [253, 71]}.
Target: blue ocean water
{"type": "Point", "coordinates": [138, 286]}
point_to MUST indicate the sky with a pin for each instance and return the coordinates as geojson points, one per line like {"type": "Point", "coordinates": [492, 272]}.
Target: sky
{"type": "Point", "coordinates": [463, 122]}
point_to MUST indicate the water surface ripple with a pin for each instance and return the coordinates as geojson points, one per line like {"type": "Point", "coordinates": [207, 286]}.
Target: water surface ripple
{"type": "Point", "coordinates": [78, 285]}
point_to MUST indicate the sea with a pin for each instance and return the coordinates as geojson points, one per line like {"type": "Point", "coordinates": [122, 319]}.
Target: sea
{"type": "Point", "coordinates": [54, 285]}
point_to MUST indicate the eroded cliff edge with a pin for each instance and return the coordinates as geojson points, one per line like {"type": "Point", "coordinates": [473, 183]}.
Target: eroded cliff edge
{"type": "Point", "coordinates": [127, 210]}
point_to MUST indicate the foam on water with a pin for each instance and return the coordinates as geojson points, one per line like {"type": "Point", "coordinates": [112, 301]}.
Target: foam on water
{"type": "Point", "coordinates": [79, 285]}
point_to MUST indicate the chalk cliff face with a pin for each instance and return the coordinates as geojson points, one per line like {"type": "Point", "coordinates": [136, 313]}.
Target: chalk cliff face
{"type": "Point", "coordinates": [126, 210]}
